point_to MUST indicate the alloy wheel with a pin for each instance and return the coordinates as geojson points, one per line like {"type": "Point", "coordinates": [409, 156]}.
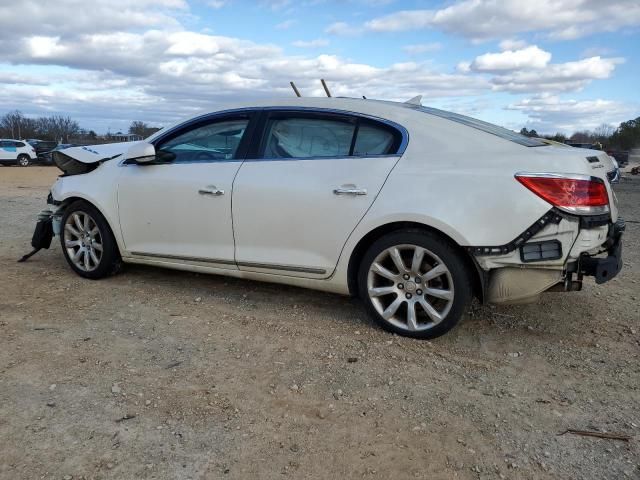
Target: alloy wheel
{"type": "Point", "coordinates": [83, 241]}
{"type": "Point", "coordinates": [410, 287]}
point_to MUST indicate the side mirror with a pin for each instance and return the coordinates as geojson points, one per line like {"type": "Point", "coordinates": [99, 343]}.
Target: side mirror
{"type": "Point", "coordinates": [141, 153]}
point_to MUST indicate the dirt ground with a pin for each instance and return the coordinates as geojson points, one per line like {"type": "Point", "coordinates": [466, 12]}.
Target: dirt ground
{"type": "Point", "coordinates": [162, 374]}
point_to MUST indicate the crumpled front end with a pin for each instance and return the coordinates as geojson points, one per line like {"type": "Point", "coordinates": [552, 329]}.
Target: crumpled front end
{"type": "Point", "coordinates": [80, 160]}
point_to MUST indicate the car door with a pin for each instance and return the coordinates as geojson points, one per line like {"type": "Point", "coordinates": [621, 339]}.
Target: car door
{"type": "Point", "coordinates": [306, 186]}
{"type": "Point", "coordinates": [179, 206]}
{"type": "Point", "coordinates": [7, 150]}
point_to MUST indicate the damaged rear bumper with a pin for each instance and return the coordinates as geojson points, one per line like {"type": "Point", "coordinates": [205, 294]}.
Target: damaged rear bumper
{"type": "Point", "coordinates": [604, 268]}
{"type": "Point", "coordinates": [524, 282]}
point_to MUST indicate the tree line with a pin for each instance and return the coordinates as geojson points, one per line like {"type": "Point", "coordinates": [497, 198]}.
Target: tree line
{"type": "Point", "coordinates": [58, 128]}
{"type": "Point", "coordinates": [625, 137]}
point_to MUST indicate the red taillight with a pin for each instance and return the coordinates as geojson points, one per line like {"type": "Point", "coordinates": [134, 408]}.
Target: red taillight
{"type": "Point", "coordinates": [576, 195]}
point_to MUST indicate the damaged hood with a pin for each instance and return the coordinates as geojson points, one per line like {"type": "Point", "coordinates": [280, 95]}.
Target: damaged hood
{"type": "Point", "coordinates": [78, 160]}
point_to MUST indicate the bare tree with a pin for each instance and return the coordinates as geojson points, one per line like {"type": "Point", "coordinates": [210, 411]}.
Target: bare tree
{"type": "Point", "coordinates": [603, 132]}
{"type": "Point", "coordinates": [58, 128]}
{"type": "Point", "coordinates": [11, 123]}
{"type": "Point", "coordinates": [141, 128]}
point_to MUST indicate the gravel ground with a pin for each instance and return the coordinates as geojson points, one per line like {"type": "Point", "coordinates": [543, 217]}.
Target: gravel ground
{"type": "Point", "coordinates": [162, 374]}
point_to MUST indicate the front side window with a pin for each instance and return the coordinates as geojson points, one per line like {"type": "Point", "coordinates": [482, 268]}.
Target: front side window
{"type": "Point", "coordinates": [213, 141]}
{"type": "Point", "coordinates": [300, 137]}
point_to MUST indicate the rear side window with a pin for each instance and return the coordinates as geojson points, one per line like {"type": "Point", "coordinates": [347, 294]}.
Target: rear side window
{"type": "Point", "coordinates": [300, 137]}
{"type": "Point", "coordinates": [319, 135]}
{"type": "Point", "coordinates": [373, 140]}
{"type": "Point", "coordinates": [18, 144]}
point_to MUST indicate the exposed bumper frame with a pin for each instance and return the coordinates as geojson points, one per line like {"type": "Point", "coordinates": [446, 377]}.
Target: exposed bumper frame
{"type": "Point", "coordinates": [604, 268]}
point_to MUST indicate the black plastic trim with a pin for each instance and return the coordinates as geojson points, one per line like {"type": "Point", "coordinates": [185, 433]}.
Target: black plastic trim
{"type": "Point", "coordinates": [594, 221]}
{"type": "Point", "coordinates": [552, 216]}
{"type": "Point", "coordinates": [605, 268]}
{"type": "Point", "coordinates": [556, 247]}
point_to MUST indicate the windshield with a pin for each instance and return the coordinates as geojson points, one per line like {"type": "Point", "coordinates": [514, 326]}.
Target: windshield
{"type": "Point", "coordinates": [484, 126]}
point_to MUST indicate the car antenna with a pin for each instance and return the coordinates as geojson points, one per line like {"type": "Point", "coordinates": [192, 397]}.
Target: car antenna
{"type": "Point", "coordinates": [326, 89]}
{"type": "Point", "coordinates": [293, 85]}
{"type": "Point", "coordinates": [417, 100]}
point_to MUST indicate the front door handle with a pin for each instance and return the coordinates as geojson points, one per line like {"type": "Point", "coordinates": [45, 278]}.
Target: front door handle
{"type": "Point", "coordinates": [211, 190]}
{"type": "Point", "coordinates": [350, 190]}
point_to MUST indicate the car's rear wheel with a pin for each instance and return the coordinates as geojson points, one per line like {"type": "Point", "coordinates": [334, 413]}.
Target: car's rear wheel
{"type": "Point", "coordinates": [87, 242]}
{"type": "Point", "coordinates": [24, 160]}
{"type": "Point", "coordinates": [414, 283]}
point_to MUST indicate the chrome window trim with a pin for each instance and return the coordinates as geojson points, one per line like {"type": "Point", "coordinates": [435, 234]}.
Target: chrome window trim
{"type": "Point", "coordinates": [404, 142]}
{"type": "Point", "coordinates": [213, 115]}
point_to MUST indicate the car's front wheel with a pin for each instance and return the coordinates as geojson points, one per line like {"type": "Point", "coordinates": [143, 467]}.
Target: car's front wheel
{"type": "Point", "coordinates": [87, 242]}
{"type": "Point", "coordinates": [414, 283]}
{"type": "Point", "coordinates": [24, 160]}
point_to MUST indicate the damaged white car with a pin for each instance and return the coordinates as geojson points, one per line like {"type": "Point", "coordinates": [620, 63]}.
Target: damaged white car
{"type": "Point", "coordinates": [415, 210]}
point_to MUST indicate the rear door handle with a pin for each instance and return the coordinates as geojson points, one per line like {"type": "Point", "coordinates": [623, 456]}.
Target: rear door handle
{"type": "Point", "coordinates": [350, 190]}
{"type": "Point", "coordinates": [211, 190]}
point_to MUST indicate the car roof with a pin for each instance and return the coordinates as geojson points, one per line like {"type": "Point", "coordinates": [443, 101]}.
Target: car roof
{"type": "Point", "coordinates": [406, 114]}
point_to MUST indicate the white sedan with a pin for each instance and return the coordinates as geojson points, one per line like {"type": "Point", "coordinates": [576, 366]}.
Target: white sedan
{"type": "Point", "coordinates": [415, 210]}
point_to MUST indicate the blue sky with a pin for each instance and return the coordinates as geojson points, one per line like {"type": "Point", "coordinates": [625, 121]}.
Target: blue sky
{"type": "Point", "coordinates": [553, 65]}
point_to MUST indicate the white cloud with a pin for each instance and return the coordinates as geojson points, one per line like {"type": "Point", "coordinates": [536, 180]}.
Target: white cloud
{"type": "Point", "coordinates": [286, 25]}
{"type": "Point", "coordinates": [194, 72]}
{"type": "Point", "coordinates": [419, 48]}
{"type": "Point", "coordinates": [562, 77]}
{"type": "Point", "coordinates": [76, 17]}
{"type": "Point", "coordinates": [463, 67]}
{"type": "Point", "coordinates": [276, 4]}
{"type": "Point", "coordinates": [550, 113]}
{"type": "Point", "coordinates": [529, 57]}
{"type": "Point", "coordinates": [512, 44]}
{"type": "Point", "coordinates": [528, 70]}
{"type": "Point", "coordinates": [486, 19]}
{"type": "Point", "coordinates": [217, 4]}
{"type": "Point", "coordinates": [316, 43]}
{"type": "Point", "coordinates": [342, 28]}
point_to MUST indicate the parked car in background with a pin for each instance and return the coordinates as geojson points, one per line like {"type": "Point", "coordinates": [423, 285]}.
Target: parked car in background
{"type": "Point", "coordinates": [553, 143]}
{"type": "Point", "coordinates": [16, 152]}
{"type": "Point", "coordinates": [47, 157]}
{"type": "Point", "coordinates": [413, 209]}
{"type": "Point", "coordinates": [590, 146]}
{"type": "Point", "coordinates": [41, 147]}
{"type": "Point", "coordinates": [621, 156]}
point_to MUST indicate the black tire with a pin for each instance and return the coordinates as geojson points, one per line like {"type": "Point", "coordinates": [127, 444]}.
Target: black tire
{"type": "Point", "coordinates": [437, 250]}
{"type": "Point", "coordinates": [110, 261]}
{"type": "Point", "coordinates": [23, 160]}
